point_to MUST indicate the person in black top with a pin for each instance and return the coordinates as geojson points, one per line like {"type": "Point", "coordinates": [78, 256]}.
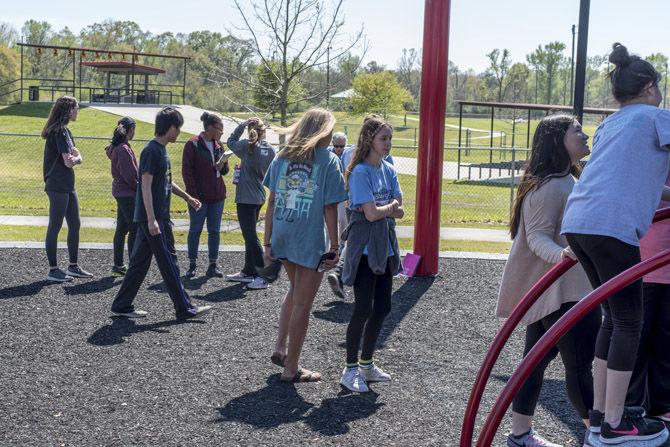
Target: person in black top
{"type": "Point", "coordinates": [152, 214]}
{"type": "Point", "coordinates": [60, 157]}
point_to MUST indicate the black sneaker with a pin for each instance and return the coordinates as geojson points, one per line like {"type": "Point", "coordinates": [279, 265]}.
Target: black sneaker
{"type": "Point", "coordinates": [336, 285]}
{"type": "Point", "coordinates": [190, 273]}
{"type": "Point", "coordinates": [195, 312]}
{"type": "Point", "coordinates": [592, 434]}
{"type": "Point", "coordinates": [77, 272]}
{"type": "Point", "coordinates": [119, 271]}
{"type": "Point", "coordinates": [634, 426]}
{"type": "Point", "coordinates": [270, 273]}
{"type": "Point", "coordinates": [57, 275]}
{"type": "Point", "coordinates": [214, 271]}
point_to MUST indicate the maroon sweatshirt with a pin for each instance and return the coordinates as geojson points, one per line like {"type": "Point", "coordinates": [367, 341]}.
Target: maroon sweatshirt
{"type": "Point", "coordinates": [124, 170]}
{"type": "Point", "coordinates": [200, 173]}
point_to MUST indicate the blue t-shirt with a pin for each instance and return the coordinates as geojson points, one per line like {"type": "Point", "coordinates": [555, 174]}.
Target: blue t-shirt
{"type": "Point", "coordinates": [302, 190]}
{"type": "Point", "coordinates": [154, 160]}
{"type": "Point", "coordinates": [621, 185]}
{"type": "Point", "coordinates": [368, 183]}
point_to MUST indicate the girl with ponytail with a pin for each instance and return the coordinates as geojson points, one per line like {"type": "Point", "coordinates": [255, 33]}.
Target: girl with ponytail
{"type": "Point", "coordinates": [124, 188]}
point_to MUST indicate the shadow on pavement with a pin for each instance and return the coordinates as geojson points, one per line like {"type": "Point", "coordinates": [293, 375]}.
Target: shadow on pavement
{"type": "Point", "coordinates": [122, 328]}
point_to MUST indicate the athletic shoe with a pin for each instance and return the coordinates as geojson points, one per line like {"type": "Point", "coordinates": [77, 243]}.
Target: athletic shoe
{"type": "Point", "coordinates": [131, 314]}
{"type": "Point", "coordinates": [336, 285]}
{"type": "Point", "coordinates": [240, 277]}
{"type": "Point", "coordinates": [374, 374]}
{"type": "Point", "coordinates": [196, 311]}
{"type": "Point", "coordinates": [257, 284]}
{"type": "Point", "coordinates": [634, 427]}
{"type": "Point", "coordinates": [269, 273]}
{"type": "Point", "coordinates": [213, 271]}
{"type": "Point", "coordinates": [77, 272]}
{"type": "Point", "coordinates": [530, 439]}
{"type": "Point", "coordinates": [595, 421]}
{"type": "Point", "coordinates": [352, 380]}
{"type": "Point", "coordinates": [190, 273]}
{"type": "Point", "coordinates": [119, 271]}
{"type": "Point", "coordinates": [57, 275]}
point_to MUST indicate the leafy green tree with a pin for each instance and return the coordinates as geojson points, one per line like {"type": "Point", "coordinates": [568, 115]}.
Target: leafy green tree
{"type": "Point", "coordinates": [547, 59]}
{"type": "Point", "coordinates": [9, 71]}
{"type": "Point", "coordinates": [378, 93]}
{"type": "Point", "coordinates": [499, 64]}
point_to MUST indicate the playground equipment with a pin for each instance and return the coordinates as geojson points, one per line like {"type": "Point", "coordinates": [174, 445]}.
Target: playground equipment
{"type": "Point", "coordinates": [552, 336]}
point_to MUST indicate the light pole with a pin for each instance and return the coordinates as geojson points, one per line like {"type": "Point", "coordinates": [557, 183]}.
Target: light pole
{"type": "Point", "coordinates": [665, 88]}
{"type": "Point", "coordinates": [572, 68]}
{"type": "Point", "coordinates": [580, 75]}
{"type": "Point", "coordinates": [328, 76]}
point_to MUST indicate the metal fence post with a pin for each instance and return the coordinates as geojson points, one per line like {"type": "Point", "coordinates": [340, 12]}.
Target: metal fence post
{"type": "Point", "coordinates": [511, 183]}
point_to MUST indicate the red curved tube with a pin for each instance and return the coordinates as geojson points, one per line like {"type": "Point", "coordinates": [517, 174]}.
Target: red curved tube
{"type": "Point", "coordinates": [506, 330]}
{"type": "Point", "coordinates": [535, 356]}
{"type": "Point", "coordinates": [499, 342]}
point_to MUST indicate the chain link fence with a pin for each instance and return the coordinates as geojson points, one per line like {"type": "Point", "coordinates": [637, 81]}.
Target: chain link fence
{"type": "Point", "coordinates": [478, 183]}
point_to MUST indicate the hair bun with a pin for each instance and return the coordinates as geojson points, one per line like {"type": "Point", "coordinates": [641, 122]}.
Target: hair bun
{"type": "Point", "coordinates": [204, 116]}
{"type": "Point", "coordinates": [619, 55]}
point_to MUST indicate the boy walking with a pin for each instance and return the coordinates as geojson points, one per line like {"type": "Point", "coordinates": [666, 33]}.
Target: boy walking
{"type": "Point", "coordinates": [152, 214]}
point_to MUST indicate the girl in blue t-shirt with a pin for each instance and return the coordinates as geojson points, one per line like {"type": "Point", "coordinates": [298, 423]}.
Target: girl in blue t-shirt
{"type": "Point", "coordinates": [305, 184]}
{"type": "Point", "coordinates": [609, 209]}
{"type": "Point", "coordinates": [372, 258]}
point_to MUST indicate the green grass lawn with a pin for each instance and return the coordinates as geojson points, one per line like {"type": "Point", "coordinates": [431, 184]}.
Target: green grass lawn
{"type": "Point", "coordinates": [36, 234]}
{"type": "Point", "coordinates": [21, 186]}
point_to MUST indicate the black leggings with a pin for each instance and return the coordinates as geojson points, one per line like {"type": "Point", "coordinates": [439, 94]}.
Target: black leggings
{"type": "Point", "coordinates": [125, 209]}
{"type": "Point", "coordinates": [63, 205]}
{"type": "Point", "coordinates": [650, 384]}
{"type": "Point", "coordinates": [603, 258]}
{"type": "Point", "coordinates": [247, 215]}
{"type": "Point", "coordinates": [576, 348]}
{"type": "Point", "coordinates": [372, 304]}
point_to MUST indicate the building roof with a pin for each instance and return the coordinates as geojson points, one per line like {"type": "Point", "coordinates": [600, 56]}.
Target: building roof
{"type": "Point", "coordinates": [123, 67]}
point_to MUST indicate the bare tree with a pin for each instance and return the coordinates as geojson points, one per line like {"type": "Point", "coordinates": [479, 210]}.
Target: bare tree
{"type": "Point", "coordinates": [290, 37]}
{"type": "Point", "coordinates": [499, 63]}
{"type": "Point", "coordinates": [409, 70]}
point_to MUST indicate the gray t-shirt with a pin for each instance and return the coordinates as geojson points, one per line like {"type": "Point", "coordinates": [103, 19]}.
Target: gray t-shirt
{"type": "Point", "coordinates": [619, 190]}
{"type": "Point", "coordinates": [253, 167]}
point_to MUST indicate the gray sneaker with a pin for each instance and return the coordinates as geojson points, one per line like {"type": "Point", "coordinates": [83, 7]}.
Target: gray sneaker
{"type": "Point", "coordinates": [530, 439]}
{"type": "Point", "coordinates": [57, 275]}
{"type": "Point", "coordinates": [336, 285]}
{"type": "Point", "coordinates": [77, 272]}
{"type": "Point", "coordinates": [196, 312]}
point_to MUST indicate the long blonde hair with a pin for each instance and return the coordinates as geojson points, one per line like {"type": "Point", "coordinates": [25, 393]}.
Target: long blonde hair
{"type": "Point", "coordinates": [315, 125]}
{"type": "Point", "coordinates": [369, 130]}
{"type": "Point", "coordinates": [59, 116]}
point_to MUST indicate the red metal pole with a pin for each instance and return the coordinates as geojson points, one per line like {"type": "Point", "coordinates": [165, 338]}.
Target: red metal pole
{"type": "Point", "coordinates": [499, 342]}
{"type": "Point", "coordinates": [431, 134]}
{"type": "Point", "coordinates": [554, 333]}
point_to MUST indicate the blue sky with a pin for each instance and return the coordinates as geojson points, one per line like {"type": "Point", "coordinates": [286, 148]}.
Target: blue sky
{"type": "Point", "coordinates": [477, 26]}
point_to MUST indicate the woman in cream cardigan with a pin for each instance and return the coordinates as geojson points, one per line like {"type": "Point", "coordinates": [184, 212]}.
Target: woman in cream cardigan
{"type": "Point", "coordinates": [558, 145]}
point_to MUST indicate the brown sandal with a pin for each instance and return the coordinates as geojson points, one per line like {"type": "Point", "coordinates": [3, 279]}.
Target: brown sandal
{"type": "Point", "coordinates": [302, 376]}
{"type": "Point", "coordinates": [278, 359]}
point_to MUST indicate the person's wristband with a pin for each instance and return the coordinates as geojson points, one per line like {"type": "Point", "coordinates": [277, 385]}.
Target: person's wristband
{"type": "Point", "coordinates": [267, 245]}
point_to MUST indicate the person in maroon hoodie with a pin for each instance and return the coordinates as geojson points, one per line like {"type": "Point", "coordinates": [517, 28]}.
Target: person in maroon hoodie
{"type": "Point", "coordinates": [124, 187]}
{"type": "Point", "coordinates": [203, 166]}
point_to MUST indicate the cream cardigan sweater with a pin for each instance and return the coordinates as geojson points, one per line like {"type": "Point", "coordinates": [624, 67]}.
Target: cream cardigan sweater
{"type": "Point", "coordinates": [537, 248]}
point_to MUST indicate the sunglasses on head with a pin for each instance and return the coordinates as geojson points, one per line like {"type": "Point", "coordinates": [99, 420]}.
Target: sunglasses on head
{"type": "Point", "coordinates": [338, 145]}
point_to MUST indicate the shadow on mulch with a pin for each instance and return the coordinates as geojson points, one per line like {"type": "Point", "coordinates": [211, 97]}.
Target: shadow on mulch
{"type": "Point", "coordinates": [233, 292]}
{"type": "Point", "coordinates": [121, 328]}
{"type": "Point", "coordinates": [31, 289]}
{"type": "Point", "coordinates": [279, 403]}
{"type": "Point", "coordinates": [96, 286]}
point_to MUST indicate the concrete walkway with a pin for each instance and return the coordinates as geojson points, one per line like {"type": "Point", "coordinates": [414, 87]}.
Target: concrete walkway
{"type": "Point", "coordinates": [446, 233]}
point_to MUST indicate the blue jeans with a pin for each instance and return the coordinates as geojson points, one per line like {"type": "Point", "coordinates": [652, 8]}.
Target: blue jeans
{"type": "Point", "coordinates": [213, 213]}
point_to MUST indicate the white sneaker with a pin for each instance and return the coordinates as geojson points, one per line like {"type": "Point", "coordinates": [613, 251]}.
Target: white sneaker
{"type": "Point", "coordinates": [374, 374]}
{"type": "Point", "coordinates": [133, 314]}
{"type": "Point", "coordinates": [352, 380]}
{"type": "Point", "coordinates": [257, 284]}
{"type": "Point", "coordinates": [240, 277]}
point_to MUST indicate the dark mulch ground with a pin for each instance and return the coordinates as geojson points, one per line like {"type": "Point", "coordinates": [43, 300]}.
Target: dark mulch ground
{"type": "Point", "coordinates": [71, 375]}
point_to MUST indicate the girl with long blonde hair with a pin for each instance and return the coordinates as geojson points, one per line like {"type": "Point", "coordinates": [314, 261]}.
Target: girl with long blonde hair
{"type": "Point", "coordinates": [305, 184]}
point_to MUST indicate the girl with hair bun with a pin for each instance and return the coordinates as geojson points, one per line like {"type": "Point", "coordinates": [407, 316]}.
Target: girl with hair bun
{"type": "Point", "coordinates": [255, 154]}
{"type": "Point", "coordinates": [608, 211]}
{"type": "Point", "coordinates": [124, 188]}
{"type": "Point", "coordinates": [204, 163]}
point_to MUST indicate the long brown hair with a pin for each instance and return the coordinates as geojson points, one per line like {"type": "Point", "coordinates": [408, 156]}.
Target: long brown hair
{"type": "Point", "coordinates": [548, 158]}
{"type": "Point", "coordinates": [59, 117]}
{"type": "Point", "coordinates": [315, 125]}
{"type": "Point", "coordinates": [369, 130]}
{"type": "Point", "coordinates": [255, 131]}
